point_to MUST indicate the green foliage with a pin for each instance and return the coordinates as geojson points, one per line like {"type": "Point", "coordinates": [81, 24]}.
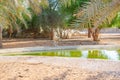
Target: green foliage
{"type": "Point", "coordinates": [17, 13]}
{"type": "Point", "coordinates": [99, 12]}
{"type": "Point", "coordinates": [12, 13]}
{"type": "Point", "coordinates": [49, 18]}
{"type": "Point", "coordinates": [116, 21]}
{"type": "Point", "coordinates": [47, 14]}
{"type": "Point", "coordinates": [70, 10]}
{"type": "Point", "coordinates": [75, 5]}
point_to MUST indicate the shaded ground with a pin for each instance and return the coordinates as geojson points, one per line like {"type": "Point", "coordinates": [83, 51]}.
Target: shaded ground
{"type": "Point", "coordinates": [106, 39]}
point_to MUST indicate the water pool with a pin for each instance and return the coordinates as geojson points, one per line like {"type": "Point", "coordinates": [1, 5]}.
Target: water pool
{"type": "Point", "coordinates": [90, 54]}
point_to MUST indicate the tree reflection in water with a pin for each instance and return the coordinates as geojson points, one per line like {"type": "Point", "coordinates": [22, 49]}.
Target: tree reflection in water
{"type": "Point", "coordinates": [96, 54]}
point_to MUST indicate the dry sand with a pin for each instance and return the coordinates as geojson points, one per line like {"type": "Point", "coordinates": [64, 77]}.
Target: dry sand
{"type": "Point", "coordinates": [27, 71]}
{"type": "Point", "coordinates": [47, 68]}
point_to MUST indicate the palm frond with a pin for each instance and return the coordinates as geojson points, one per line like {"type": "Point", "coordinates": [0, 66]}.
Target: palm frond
{"type": "Point", "coordinates": [97, 12]}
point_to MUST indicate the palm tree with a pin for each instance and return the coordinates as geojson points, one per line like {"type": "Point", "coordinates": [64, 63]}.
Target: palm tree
{"type": "Point", "coordinates": [94, 14]}
{"type": "Point", "coordinates": [13, 13]}
{"type": "Point", "coordinates": [58, 14]}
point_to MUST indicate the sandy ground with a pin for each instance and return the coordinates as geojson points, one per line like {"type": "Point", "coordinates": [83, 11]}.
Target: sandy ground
{"type": "Point", "coordinates": [38, 68]}
{"type": "Point", "coordinates": [105, 39]}
{"type": "Point", "coordinates": [32, 68]}
{"type": "Point", "coordinates": [27, 71]}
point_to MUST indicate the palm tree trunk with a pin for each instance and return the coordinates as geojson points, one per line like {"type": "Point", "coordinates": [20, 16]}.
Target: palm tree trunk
{"type": "Point", "coordinates": [10, 31]}
{"type": "Point", "coordinates": [89, 32]}
{"type": "Point", "coordinates": [95, 34]}
{"type": "Point", "coordinates": [52, 34]}
{"type": "Point", "coordinates": [61, 33]}
{"type": "Point", "coordinates": [0, 37]}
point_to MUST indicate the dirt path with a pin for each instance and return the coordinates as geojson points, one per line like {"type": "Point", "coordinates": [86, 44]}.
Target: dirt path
{"type": "Point", "coordinates": [106, 39]}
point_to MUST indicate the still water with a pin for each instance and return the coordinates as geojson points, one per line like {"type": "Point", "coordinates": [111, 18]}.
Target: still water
{"type": "Point", "coordinates": [91, 54]}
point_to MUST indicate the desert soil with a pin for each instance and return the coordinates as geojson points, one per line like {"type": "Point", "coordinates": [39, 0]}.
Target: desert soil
{"type": "Point", "coordinates": [27, 71]}
{"type": "Point", "coordinates": [105, 39]}
{"type": "Point", "coordinates": [43, 68]}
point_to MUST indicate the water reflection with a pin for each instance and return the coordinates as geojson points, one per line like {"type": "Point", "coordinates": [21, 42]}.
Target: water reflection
{"type": "Point", "coordinates": [96, 54]}
{"type": "Point", "coordinates": [61, 53]}
{"type": "Point", "coordinates": [118, 53]}
{"type": "Point", "coordinates": [92, 54]}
